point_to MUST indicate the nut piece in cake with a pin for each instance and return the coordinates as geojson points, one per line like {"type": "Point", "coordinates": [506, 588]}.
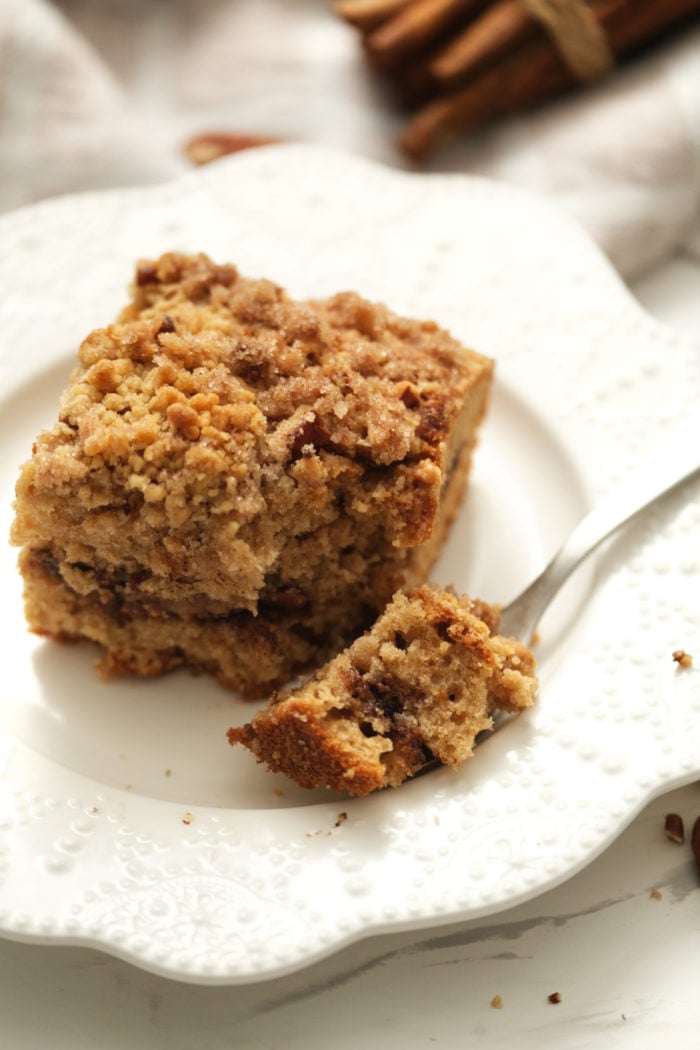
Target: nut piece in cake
{"type": "Point", "coordinates": [421, 684]}
{"type": "Point", "coordinates": [238, 482]}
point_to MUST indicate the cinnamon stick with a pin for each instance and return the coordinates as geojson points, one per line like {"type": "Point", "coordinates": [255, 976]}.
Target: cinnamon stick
{"type": "Point", "coordinates": [506, 26]}
{"type": "Point", "coordinates": [366, 14]}
{"type": "Point", "coordinates": [414, 28]}
{"type": "Point", "coordinates": [537, 72]}
{"type": "Point", "coordinates": [443, 119]}
{"type": "Point", "coordinates": [499, 30]}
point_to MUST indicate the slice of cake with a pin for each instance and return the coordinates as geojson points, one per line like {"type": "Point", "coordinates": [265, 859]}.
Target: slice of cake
{"type": "Point", "coordinates": [238, 482]}
{"type": "Point", "coordinates": [420, 685]}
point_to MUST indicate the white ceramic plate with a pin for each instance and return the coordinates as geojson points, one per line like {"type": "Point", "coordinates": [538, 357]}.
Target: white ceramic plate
{"type": "Point", "coordinates": [126, 821]}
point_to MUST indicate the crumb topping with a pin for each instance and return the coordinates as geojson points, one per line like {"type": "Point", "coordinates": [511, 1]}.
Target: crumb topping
{"type": "Point", "coordinates": [217, 419]}
{"type": "Point", "coordinates": [683, 659]}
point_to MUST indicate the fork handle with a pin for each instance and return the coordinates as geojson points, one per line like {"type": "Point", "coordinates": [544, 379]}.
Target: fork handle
{"type": "Point", "coordinates": [675, 460]}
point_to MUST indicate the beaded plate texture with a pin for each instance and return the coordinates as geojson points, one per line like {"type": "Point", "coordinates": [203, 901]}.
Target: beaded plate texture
{"type": "Point", "coordinates": [127, 823]}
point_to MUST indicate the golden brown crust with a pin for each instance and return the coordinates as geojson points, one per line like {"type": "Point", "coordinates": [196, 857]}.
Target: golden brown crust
{"type": "Point", "coordinates": [422, 684]}
{"type": "Point", "coordinates": [311, 754]}
{"type": "Point", "coordinates": [223, 452]}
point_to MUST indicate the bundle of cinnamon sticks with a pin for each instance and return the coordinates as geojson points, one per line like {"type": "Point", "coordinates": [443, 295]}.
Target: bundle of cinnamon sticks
{"type": "Point", "coordinates": [459, 64]}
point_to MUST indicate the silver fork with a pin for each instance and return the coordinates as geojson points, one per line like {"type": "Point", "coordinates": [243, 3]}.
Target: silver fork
{"type": "Point", "coordinates": [675, 460]}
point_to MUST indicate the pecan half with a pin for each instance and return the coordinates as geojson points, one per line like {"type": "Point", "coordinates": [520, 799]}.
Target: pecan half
{"type": "Point", "coordinates": [695, 843]}
{"type": "Point", "coordinates": [209, 146]}
{"type": "Point", "coordinates": [673, 826]}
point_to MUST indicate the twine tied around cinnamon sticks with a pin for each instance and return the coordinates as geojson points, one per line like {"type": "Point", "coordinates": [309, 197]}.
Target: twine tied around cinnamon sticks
{"type": "Point", "coordinates": [459, 64]}
{"type": "Point", "coordinates": [577, 33]}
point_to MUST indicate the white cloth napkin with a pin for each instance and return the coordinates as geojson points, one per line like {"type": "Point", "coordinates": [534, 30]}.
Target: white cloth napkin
{"type": "Point", "coordinates": [97, 93]}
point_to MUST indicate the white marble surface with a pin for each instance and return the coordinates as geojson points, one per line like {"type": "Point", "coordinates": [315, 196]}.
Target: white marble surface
{"type": "Point", "coordinates": [618, 941]}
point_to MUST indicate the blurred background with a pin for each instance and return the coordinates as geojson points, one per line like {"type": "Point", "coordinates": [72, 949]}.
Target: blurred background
{"type": "Point", "coordinates": [100, 93]}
